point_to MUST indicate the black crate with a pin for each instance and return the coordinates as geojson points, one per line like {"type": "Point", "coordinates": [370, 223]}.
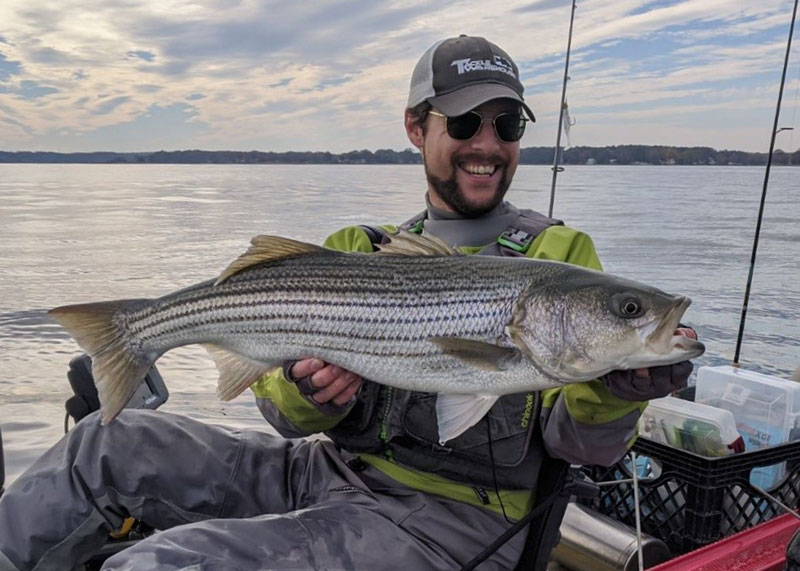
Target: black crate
{"type": "Point", "coordinates": [688, 500]}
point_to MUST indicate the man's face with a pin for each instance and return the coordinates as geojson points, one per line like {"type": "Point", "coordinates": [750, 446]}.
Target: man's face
{"type": "Point", "coordinates": [469, 177]}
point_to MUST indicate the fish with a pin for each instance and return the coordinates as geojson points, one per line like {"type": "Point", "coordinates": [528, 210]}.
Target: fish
{"type": "Point", "coordinates": [417, 315]}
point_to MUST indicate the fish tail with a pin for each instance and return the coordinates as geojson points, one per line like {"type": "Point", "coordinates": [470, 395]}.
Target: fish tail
{"type": "Point", "coordinates": [118, 365]}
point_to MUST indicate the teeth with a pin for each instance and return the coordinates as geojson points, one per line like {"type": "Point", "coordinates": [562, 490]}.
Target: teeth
{"type": "Point", "coordinates": [479, 169]}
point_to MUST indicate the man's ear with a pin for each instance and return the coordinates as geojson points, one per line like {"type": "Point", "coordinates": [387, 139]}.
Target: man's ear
{"type": "Point", "coordinates": [414, 131]}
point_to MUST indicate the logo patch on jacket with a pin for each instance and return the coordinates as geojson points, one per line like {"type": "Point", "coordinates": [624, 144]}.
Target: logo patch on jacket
{"type": "Point", "coordinates": [527, 414]}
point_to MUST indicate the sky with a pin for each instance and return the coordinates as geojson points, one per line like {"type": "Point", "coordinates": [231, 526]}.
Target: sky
{"type": "Point", "coordinates": [272, 75]}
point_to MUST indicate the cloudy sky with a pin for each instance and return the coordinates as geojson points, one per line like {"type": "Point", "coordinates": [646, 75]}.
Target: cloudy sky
{"type": "Point", "coordinates": [272, 75]}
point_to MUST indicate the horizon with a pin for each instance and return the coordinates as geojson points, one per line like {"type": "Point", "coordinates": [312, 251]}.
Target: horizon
{"type": "Point", "coordinates": [273, 77]}
{"type": "Point", "coordinates": [406, 149]}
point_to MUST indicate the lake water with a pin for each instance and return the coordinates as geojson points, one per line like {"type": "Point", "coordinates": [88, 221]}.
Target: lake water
{"type": "Point", "coordinates": [79, 233]}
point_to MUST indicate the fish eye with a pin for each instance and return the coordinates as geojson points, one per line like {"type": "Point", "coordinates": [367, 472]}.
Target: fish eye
{"type": "Point", "coordinates": [630, 307]}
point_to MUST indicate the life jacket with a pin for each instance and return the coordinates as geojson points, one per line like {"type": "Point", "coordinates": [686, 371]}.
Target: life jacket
{"type": "Point", "coordinates": [402, 424]}
{"type": "Point", "coordinates": [515, 240]}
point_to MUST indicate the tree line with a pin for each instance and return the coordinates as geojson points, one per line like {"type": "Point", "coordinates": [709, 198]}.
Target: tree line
{"type": "Point", "coordinates": [613, 155]}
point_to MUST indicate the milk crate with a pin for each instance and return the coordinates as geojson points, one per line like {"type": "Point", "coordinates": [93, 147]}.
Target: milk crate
{"type": "Point", "coordinates": [689, 501]}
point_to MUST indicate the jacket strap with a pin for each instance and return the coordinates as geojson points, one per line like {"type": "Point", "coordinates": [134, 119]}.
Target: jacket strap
{"type": "Point", "coordinates": [517, 238]}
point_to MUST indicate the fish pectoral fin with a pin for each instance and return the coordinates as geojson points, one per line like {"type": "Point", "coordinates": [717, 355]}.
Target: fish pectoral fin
{"type": "Point", "coordinates": [486, 356]}
{"type": "Point", "coordinates": [456, 413]}
{"type": "Point", "coordinates": [236, 372]}
{"type": "Point", "coordinates": [268, 249]}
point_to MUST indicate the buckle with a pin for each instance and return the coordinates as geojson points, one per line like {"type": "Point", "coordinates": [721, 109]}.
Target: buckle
{"type": "Point", "coordinates": [516, 239]}
{"type": "Point", "coordinates": [417, 228]}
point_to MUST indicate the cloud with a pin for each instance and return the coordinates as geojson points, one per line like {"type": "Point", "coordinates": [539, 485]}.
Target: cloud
{"type": "Point", "coordinates": [273, 75]}
{"type": "Point", "coordinates": [283, 82]}
{"type": "Point", "coordinates": [261, 33]}
{"type": "Point", "coordinates": [141, 54]}
{"type": "Point", "coordinates": [148, 88]}
{"type": "Point", "coordinates": [48, 55]}
{"type": "Point", "coordinates": [21, 127]}
{"type": "Point", "coordinates": [538, 6]}
{"type": "Point", "coordinates": [110, 105]}
{"type": "Point", "coordinates": [323, 84]}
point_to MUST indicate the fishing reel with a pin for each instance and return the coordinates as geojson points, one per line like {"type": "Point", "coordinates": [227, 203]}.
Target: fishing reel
{"type": "Point", "coordinates": [151, 394]}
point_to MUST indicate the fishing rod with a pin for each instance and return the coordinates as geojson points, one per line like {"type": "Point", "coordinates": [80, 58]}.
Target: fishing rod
{"type": "Point", "coordinates": [556, 168]}
{"type": "Point", "coordinates": [775, 131]}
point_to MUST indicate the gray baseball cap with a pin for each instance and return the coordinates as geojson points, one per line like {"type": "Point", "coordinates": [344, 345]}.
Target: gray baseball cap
{"type": "Point", "coordinates": [458, 74]}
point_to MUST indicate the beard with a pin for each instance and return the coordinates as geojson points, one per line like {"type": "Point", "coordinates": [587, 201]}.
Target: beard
{"type": "Point", "coordinates": [452, 195]}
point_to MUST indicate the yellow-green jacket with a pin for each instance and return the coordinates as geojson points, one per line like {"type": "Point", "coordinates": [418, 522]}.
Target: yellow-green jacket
{"type": "Point", "coordinates": [395, 430]}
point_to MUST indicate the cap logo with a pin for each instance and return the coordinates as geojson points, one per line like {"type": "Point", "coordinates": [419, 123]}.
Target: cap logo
{"type": "Point", "coordinates": [499, 63]}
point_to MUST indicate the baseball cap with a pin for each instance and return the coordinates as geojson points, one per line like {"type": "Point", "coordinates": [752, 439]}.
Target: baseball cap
{"type": "Point", "coordinates": [456, 75]}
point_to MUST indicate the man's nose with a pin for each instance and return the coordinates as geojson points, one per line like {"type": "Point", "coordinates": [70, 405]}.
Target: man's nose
{"type": "Point", "coordinates": [486, 138]}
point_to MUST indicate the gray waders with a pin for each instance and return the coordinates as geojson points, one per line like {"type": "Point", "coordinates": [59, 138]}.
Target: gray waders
{"type": "Point", "coordinates": [229, 500]}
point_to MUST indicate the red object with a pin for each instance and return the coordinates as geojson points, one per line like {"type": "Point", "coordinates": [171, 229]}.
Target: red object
{"type": "Point", "coordinates": [760, 548]}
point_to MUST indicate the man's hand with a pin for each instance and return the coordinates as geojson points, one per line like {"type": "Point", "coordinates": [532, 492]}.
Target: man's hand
{"type": "Point", "coordinates": [324, 382]}
{"type": "Point", "coordinates": [655, 382]}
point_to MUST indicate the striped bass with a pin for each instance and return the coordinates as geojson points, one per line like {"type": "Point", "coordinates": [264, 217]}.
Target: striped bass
{"type": "Point", "coordinates": [418, 315]}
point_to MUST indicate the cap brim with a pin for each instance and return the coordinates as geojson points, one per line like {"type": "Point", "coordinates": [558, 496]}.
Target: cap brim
{"type": "Point", "coordinates": [469, 97]}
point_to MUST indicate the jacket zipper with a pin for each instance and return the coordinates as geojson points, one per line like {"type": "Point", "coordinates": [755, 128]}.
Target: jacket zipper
{"type": "Point", "coordinates": [384, 432]}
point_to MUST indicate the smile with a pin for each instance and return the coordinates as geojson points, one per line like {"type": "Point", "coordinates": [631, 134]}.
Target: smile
{"type": "Point", "coordinates": [480, 170]}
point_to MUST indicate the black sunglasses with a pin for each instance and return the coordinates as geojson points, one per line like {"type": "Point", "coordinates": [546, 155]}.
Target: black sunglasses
{"type": "Point", "coordinates": [509, 127]}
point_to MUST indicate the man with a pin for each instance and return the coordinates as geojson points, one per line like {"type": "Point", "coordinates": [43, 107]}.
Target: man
{"type": "Point", "coordinates": [382, 493]}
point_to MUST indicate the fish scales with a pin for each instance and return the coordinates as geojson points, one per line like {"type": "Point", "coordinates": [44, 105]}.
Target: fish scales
{"type": "Point", "coordinates": [312, 313]}
{"type": "Point", "coordinates": [275, 284]}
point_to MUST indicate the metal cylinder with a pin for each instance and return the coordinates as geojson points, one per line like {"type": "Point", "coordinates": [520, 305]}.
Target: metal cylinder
{"type": "Point", "coordinates": [591, 541]}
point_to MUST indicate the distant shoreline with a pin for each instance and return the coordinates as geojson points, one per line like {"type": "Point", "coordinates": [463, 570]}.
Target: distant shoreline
{"type": "Point", "coordinates": [613, 155]}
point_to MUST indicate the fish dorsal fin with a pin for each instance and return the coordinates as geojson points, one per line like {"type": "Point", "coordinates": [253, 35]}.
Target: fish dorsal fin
{"type": "Point", "coordinates": [404, 243]}
{"type": "Point", "coordinates": [267, 249]}
{"type": "Point", "coordinates": [236, 372]}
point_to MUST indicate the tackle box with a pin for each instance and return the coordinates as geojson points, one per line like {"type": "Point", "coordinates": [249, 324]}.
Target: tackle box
{"type": "Point", "coordinates": [691, 426]}
{"type": "Point", "coordinates": [766, 410]}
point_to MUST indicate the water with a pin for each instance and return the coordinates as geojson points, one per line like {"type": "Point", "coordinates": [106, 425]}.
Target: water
{"type": "Point", "coordinates": [78, 233]}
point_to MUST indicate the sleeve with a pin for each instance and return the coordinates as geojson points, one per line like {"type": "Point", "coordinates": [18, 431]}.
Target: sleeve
{"type": "Point", "coordinates": [565, 244]}
{"type": "Point", "coordinates": [288, 411]}
{"type": "Point", "coordinates": [583, 423]}
{"type": "Point", "coordinates": [352, 239]}
{"type": "Point", "coordinates": [280, 401]}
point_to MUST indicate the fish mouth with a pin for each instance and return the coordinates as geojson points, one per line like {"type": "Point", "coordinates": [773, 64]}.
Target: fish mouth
{"type": "Point", "coordinates": [661, 347]}
{"type": "Point", "coordinates": [668, 323]}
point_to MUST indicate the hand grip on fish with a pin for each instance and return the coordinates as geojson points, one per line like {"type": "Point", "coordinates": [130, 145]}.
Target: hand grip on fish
{"type": "Point", "coordinates": [418, 315]}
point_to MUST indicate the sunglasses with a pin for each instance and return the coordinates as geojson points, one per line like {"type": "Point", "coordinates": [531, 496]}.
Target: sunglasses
{"type": "Point", "coordinates": [509, 127]}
